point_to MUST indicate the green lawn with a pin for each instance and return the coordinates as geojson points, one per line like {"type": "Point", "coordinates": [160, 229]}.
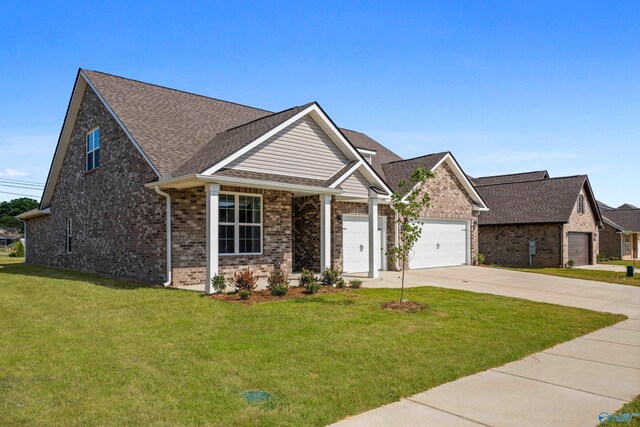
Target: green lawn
{"type": "Point", "coordinates": [619, 420]}
{"type": "Point", "coordinates": [80, 349]}
{"type": "Point", "coordinates": [576, 273]}
{"type": "Point", "coordinates": [623, 262]}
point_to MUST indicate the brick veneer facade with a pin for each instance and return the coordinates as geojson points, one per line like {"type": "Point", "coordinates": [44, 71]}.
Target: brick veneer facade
{"type": "Point", "coordinates": [508, 245]}
{"type": "Point", "coordinates": [117, 224]}
{"type": "Point", "coordinates": [306, 233]}
{"type": "Point", "coordinates": [610, 242]}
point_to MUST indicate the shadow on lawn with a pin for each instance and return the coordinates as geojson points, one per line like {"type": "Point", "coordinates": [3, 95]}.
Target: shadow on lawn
{"type": "Point", "coordinates": [23, 269]}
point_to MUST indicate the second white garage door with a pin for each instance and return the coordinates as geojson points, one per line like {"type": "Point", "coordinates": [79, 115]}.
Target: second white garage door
{"type": "Point", "coordinates": [443, 243]}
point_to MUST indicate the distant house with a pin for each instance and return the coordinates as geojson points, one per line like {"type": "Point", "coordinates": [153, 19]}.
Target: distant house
{"type": "Point", "coordinates": [558, 218]}
{"type": "Point", "coordinates": [620, 237]}
{"type": "Point", "coordinates": [8, 236]}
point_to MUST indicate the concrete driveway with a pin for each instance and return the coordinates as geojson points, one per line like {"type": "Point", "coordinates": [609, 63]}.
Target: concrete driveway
{"type": "Point", "coordinates": [571, 384]}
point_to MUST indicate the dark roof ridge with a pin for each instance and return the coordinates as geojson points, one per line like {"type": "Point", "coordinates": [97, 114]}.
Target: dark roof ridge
{"type": "Point", "coordinates": [267, 116]}
{"type": "Point", "coordinates": [531, 180]}
{"type": "Point", "coordinates": [180, 90]}
{"type": "Point", "coordinates": [512, 174]}
{"type": "Point", "coordinates": [419, 157]}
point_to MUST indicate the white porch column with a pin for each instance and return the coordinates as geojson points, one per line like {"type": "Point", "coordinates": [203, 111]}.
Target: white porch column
{"type": "Point", "coordinates": [212, 194]}
{"type": "Point", "coordinates": [374, 242]}
{"type": "Point", "coordinates": [325, 231]}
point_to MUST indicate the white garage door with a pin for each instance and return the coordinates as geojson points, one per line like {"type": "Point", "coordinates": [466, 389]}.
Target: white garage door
{"type": "Point", "coordinates": [355, 243]}
{"type": "Point", "coordinates": [442, 244]}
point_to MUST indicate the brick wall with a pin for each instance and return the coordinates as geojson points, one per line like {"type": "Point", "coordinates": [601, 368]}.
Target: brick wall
{"type": "Point", "coordinates": [189, 236]}
{"type": "Point", "coordinates": [118, 224]}
{"type": "Point", "coordinates": [508, 245]}
{"type": "Point", "coordinates": [306, 233]}
{"type": "Point", "coordinates": [609, 241]}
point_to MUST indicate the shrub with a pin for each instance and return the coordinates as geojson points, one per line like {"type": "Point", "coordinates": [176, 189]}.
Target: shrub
{"type": "Point", "coordinates": [279, 289]}
{"type": "Point", "coordinates": [340, 283]}
{"type": "Point", "coordinates": [218, 283]}
{"type": "Point", "coordinates": [13, 255]}
{"type": "Point", "coordinates": [355, 283]}
{"type": "Point", "coordinates": [312, 287]}
{"type": "Point", "coordinates": [244, 281]}
{"type": "Point", "coordinates": [277, 277]}
{"type": "Point", "coordinates": [18, 249]}
{"type": "Point", "coordinates": [481, 258]}
{"type": "Point", "coordinates": [601, 257]}
{"type": "Point", "coordinates": [570, 263]}
{"type": "Point", "coordinates": [330, 277]}
{"type": "Point", "coordinates": [244, 294]}
{"type": "Point", "coordinates": [307, 277]}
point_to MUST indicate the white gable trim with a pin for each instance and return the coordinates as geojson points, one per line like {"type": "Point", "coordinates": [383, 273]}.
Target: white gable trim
{"type": "Point", "coordinates": [79, 87]}
{"type": "Point", "coordinates": [462, 177]}
{"type": "Point", "coordinates": [346, 175]}
{"type": "Point", "coordinates": [327, 126]}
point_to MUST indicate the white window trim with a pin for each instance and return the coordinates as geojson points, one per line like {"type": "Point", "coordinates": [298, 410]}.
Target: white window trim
{"type": "Point", "coordinates": [68, 232]}
{"type": "Point", "coordinates": [236, 224]}
{"type": "Point", "coordinates": [87, 152]}
{"type": "Point", "coordinates": [626, 244]}
{"type": "Point", "coordinates": [581, 205]}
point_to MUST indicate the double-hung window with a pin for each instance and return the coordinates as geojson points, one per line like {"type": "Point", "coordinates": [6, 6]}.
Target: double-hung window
{"type": "Point", "coordinates": [627, 244]}
{"type": "Point", "coordinates": [240, 229]}
{"type": "Point", "coordinates": [93, 149]}
{"type": "Point", "coordinates": [68, 236]}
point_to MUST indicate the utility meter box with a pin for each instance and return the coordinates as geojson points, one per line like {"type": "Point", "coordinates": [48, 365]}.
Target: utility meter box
{"type": "Point", "coordinates": [532, 247]}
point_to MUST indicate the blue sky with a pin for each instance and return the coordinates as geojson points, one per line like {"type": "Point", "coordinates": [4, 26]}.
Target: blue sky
{"type": "Point", "coordinates": [505, 86]}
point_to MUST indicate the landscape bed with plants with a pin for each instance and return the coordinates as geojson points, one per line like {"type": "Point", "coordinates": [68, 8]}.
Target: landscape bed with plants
{"type": "Point", "coordinates": [80, 348]}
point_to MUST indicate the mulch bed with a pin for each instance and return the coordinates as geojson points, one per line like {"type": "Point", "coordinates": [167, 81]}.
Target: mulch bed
{"type": "Point", "coordinates": [409, 306]}
{"type": "Point", "coordinates": [265, 295]}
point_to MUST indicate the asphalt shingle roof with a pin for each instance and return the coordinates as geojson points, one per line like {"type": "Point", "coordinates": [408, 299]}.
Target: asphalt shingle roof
{"type": "Point", "coordinates": [183, 133]}
{"type": "Point", "coordinates": [397, 171]}
{"type": "Point", "coordinates": [549, 200]}
{"type": "Point", "coordinates": [504, 179]}
{"type": "Point", "coordinates": [627, 219]}
{"type": "Point", "coordinates": [626, 206]}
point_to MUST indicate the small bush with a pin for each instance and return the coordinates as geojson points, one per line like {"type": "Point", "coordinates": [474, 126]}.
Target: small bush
{"type": "Point", "coordinates": [218, 283]}
{"type": "Point", "coordinates": [307, 277]}
{"type": "Point", "coordinates": [13, 255]}
{"type": "Point", "coordinates": [277, 277]}
{"type": "Point", "coordinates": [244, 281]}
{"type": "Point", "coordinates": [570, 263]}
{"type": "Point", "coordinates": [312, 287]}
{"type": "Point", "coordinates": [18, 249]}
{"type": "Point", "coordinates": [279, 289]}
{"type": "Point", "coordinates": [355, 283]}
{"type": "Point", "coordinates": [481, 258]}
{"type": "Point", "coordinates": [245, 294]}
{"type": "Point", "coordinates": [330, 277]}
{"type": "Point", "coordinates": [340, 283]}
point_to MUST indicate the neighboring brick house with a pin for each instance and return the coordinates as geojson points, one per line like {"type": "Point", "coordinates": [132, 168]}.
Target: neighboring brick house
{"type": "Point", "coordinates": [559, 216]}
{"type": "Point", "coordinates": [161, 185]}
{"type": "Point", "coordinates": [620, 237]}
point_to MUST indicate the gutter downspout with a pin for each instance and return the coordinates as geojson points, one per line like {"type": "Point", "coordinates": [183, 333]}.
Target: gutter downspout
{"type": "Point", "coordinates": [168, 209]}
{"type": "Point", "coordinates": [395, 235]}
{"type": "Point", "coordinates": [561, 245]}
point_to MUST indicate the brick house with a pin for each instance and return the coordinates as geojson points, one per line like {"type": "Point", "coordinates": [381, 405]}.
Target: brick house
{"type": "Point", "coordinates": [161, 185]}
{"type": "Point", "coordinates": [620, 236]}
{"type": "Point", "coordinates": [559, 217]}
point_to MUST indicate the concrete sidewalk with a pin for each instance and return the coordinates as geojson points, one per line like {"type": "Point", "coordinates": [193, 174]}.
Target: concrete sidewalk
{"type": "Point", "coordinates": [604, 267]}
{"type": "Point", "coordinates": [567, 385]}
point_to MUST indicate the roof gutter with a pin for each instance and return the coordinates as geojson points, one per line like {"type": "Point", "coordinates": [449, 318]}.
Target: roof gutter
{"type": "Point", "coordinates": [168, 212]}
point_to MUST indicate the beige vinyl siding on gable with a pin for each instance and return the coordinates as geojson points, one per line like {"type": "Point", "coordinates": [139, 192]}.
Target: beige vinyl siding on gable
{"type": "Point", "coordinates": [356, 185]}
{"type": "Point", "coordinates": [302, 149]}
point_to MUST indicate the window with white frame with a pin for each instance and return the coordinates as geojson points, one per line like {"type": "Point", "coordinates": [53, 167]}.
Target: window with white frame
{"type": "Point", "coordinates": [627, 243]}
{"type": "Point", "coordinates": [68, 236]}
{"type": "Point", "coordinates": [581, 204]}
{"type": "Point", "coordinates": [240, 228]}
{"type": "Point", "coordinates": [93, 149]}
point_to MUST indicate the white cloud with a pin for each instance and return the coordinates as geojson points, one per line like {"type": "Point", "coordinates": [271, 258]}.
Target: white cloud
{"type": "Point", "coordinates": [13, 172]}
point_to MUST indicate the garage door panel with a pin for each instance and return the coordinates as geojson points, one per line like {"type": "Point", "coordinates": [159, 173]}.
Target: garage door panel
{"type": "Point", "coordinates": [355, 243]}
{"type": "Point", "coordinates": [442, 244]}
{"type": "Point", "coordinates": [579, 248]}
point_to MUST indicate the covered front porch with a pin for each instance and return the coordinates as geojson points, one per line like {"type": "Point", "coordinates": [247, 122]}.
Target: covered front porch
{"type": "Point", "coordinates": [220, 227]}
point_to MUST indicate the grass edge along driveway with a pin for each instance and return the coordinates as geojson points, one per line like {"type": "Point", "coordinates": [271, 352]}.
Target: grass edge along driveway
{"type": "Point", "coordinates": [83, 349]}
{"type": "Point", "coordinates": [615, 277]}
